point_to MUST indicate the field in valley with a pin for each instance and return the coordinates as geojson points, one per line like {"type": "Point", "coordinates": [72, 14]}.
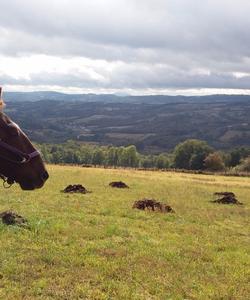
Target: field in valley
{"type": "Point", "coordinates": [95, 246]}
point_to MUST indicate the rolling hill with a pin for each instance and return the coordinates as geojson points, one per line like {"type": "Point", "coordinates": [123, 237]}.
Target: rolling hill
{"type": "Point", "coordinates": [153, 123]}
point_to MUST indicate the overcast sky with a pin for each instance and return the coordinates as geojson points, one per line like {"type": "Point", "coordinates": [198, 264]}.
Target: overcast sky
{"type": "Point", "coordinates": [126, 46]}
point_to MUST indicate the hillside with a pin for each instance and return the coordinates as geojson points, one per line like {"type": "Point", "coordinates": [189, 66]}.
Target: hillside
{"type": "Point", "coordinates": [152, 123]}
{"type": "Point", "coordinates": [95, 246]}
{"type": "Point", "coordinates": [113, 98]}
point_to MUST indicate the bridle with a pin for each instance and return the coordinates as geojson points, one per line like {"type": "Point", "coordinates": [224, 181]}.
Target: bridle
{"type": "Point", "coordinates": [24, 159]}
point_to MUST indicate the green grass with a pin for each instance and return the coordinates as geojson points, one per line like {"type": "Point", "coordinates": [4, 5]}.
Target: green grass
{"type": "Point", "coordinates": [95, 246]}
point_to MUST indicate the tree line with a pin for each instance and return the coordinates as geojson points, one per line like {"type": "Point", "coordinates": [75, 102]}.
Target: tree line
{"type": "Point", "coordinates": [190, 155]}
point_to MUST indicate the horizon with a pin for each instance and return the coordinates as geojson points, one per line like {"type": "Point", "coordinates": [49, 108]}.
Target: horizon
{"type": "Point", "coordinates": [130, 95]}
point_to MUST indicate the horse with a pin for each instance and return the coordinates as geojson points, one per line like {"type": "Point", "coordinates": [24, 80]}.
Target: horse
{"type": "Point", "coordinates": [20, 161]}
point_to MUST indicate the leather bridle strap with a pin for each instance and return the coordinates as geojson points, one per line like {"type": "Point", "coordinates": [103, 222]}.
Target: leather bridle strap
{"type": "Point", "coordinates": [25, 157]}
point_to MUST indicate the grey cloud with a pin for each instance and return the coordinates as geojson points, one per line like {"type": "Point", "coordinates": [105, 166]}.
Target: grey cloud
{"type": "Point", "coordinates": [136, 78]}
{"type": "Point", "coordinates": [161, 43]}
{"type": "Point", "coordinates": [179, 25]}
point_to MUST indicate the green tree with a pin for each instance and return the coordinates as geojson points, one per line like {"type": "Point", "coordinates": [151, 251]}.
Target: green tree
{"type": "Point", "coordinates": [147, 161]}
{"type": "Point", "coordinates": [191, 154]}
{"type": "Point", "coordinates": [131, 156]}
{"type": "Point", "coordinates": [237, 155]}
{"type": "Point", "coordinates": [98, 157]}
{"type": "Point", "coordinates": [121, 158]}
{"type": "Point", "coordinates": [127, 156]}
{"type": "Point", "coordinates": [161, 162]}
{"type": "Point", "coordinates": [112, 156]}
{"type": "Point", "coordinates": [57, 157]}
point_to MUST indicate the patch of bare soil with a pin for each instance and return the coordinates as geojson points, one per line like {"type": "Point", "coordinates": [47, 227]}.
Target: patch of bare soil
{"type": "Point", "coordinates": [226, 198]}
{"type": "Point", "coordinates": [75, 188]}
{"type": "Point", "coordinates": [118, 184]}
{"type": "Point", "coordinates": [12, 218]}
{"type": "Point", "coordinates": [153, 205]}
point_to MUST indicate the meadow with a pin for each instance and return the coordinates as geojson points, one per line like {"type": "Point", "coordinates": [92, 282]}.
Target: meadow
{"type": "Point", "coordinates": [95, 246]}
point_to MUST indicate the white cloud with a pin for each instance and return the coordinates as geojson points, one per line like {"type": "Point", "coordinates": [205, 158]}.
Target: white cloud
{"type": "Point", "coordinates": [112, 45]}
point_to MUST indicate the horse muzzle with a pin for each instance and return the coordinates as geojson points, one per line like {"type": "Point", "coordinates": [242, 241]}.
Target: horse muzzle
{"type": "Point", "coordinates": [31, 184]}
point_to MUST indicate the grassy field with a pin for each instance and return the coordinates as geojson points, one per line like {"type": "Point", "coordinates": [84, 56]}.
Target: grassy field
{"type": "Point", "coordinates": [95, 246]}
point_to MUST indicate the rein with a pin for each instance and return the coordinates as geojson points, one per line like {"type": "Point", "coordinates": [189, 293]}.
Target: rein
{"type": "Point", "coordinates": [24, 159]}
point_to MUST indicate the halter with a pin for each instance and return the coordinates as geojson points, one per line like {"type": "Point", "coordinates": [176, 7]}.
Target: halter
{"type": "Point", "coordinates": [25, 158]}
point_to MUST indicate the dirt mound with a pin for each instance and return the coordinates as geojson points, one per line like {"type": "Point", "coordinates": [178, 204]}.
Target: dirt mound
{"type": "Point", "coordinates": [152, 205]}
{"type": "Point", "coordinates": [118, 184]}
{"type": "Point", "coordinates": [75, 188]}
{"type": "Point", "coordinates": [226, 198]}
{"type": "Point", "coordinates": [11, 218]}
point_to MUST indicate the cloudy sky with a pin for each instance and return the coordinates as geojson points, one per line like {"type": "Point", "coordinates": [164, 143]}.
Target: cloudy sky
{"type": "Point", "coordinates": [126, 46]}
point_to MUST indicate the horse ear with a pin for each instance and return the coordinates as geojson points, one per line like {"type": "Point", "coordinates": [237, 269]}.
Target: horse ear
{"type": "Point", "coordinates": [1, 105]}
{"type": "Point", "coordinates": [1, 99]}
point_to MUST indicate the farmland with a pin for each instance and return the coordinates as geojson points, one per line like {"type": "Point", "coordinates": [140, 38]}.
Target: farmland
{"type": "Point", "coordinates": [95, 246]}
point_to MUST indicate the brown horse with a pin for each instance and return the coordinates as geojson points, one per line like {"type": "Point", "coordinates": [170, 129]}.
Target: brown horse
{"type": "Point", "coordinates": [19, 160]}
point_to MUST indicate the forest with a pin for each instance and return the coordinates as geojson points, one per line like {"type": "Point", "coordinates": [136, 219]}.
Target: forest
{"type": "Point", "coordinates": [188, 155]}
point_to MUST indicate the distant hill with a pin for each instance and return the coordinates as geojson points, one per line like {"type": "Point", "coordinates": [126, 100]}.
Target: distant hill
{"type": "Point", "coordinates": [39, 96]}
{"type": "Point", "coordinates": [153, 123]}
{"type": "Point", "coordinates": [110, 98]}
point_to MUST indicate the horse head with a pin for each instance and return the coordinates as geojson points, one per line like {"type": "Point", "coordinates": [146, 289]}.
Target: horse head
{"type": "Point", "coordinates": [19, 160]}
